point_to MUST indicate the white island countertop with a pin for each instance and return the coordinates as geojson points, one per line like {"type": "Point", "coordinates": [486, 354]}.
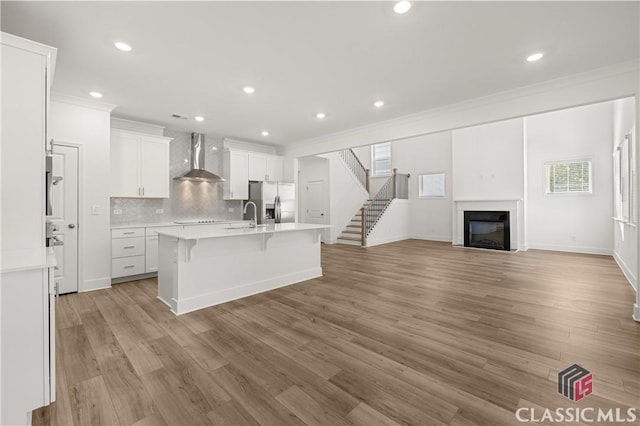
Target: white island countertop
{"type": "Point", "coordinates": [196, 233]}
{"type": "Point", "coordinates": [205, 266]}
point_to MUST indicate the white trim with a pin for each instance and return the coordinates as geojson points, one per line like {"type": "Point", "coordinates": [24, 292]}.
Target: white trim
{"type": "Point", "coordinates": [603, 84]}
{"type": "Point", "coordinates": [136, 126]}
{"type": "Point", "coordinates": [221, 296]}
{"type": "Point", "coordinates": [636, 312]}
{"type": "Point", "coordinates": [428, 237]}
{"type": "Point", "coordinates": [77, 101]}
{"type": "Point", "coordinates": [377, 242]}
{"type": "Point", "coordinates": [572, 249]}
{"type": "Point", "coordinates": [626, 271]}
{"type": "Point", "coordinates": [95, 284]}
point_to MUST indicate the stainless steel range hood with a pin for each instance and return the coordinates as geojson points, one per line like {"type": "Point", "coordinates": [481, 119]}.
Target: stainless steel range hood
{"type": "Point", "coordinates": [197, 171]}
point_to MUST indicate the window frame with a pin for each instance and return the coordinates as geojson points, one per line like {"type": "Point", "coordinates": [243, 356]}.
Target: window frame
{"type": "Point", "coordinates": [432, 197]}
{"type": "Point", "coordinates": [374, 172]}
{"type": "Point", "coordinates": [546, 181]}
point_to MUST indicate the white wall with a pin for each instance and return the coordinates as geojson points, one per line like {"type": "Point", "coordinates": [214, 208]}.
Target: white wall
{"type": "Point", "coordinates": [488, 161]}
{"type": "Point", "coordinates": [579, 223]}
{"type": "Point", "coordinates": [393, 225]}
{"type": "Point", "coordinates": [625, 236]}
{"type": "Point", "coordinates": [488, 165]}
{"type": "Point", "coordinates": [346, 195]}
{"type": "Point", "coordinates": [89, 128]}
{"type": "Point", "coordinates": [430, 218]}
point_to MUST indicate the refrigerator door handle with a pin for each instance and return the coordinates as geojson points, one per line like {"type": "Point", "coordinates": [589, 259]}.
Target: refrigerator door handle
{"type": "Point", "coordinates": [278, 213]}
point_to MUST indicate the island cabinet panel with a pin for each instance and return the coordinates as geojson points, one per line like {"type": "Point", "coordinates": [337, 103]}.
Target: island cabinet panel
{"type": "Point", "coordinates": [236, 262]}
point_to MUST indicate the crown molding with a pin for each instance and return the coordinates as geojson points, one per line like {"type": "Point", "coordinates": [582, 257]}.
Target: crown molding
{"type": "Point", "coordinates": [86, 103]}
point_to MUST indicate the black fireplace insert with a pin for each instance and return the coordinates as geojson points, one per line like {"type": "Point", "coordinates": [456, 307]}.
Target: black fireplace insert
{"type": "Point", "coordinates": [487, 229]}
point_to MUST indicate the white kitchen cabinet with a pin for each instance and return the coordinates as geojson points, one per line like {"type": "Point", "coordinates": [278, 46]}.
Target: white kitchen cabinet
{"type": "Point", "coordinates": [236, 172]}
{"type": "Point", "coordinates": [139, 165]}
{"type": "Point", "coordinates": [257, 166]}
{"type": "Point", "coordinates": [26, 345]}
{"type": "Point", "coordinates": [275, 168]}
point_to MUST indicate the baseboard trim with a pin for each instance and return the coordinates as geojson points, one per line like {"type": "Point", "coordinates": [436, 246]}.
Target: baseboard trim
{"type": "Point", "coordinates": [572, 249]}
{"type": "Point", "coordinates": [442, 238]}
{"type": "Point", "coordinates": [95, 284]}
{"type": "Point", "coordinates": [144, 276]}
{"type": "Point", "coordinates": [387, 240]}
{"type": "Point", "coordinates": [213, 298]}
{"type": "Point", "coordinates": [626, 271]}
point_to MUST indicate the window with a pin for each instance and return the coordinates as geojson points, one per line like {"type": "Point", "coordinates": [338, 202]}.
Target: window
{"type": "Point", "coordinates": [431, 185]}
{"type": "Point", "coordinates": [381, 159]}
{"type": "Point", "coordinates": [568, 177]}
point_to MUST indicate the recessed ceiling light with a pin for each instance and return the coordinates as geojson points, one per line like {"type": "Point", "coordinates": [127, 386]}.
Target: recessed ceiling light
{"type": "Point", "coordinates": [248, 89]}
{"type": "Point", "coordinates": [265, 133]}
{"type": "Point", "coordinates": [214, 148]}
{"type": "Point", "coordinates": [378, 104]}
{"type": "Point", "coordinates": [402, 6]}
{"type": "Point", "coordinates": [535, 57]}
{"type": "Point", "coordinates": [198, 118]}
{"type": "Point", "coordinates": [96, 95]}
{"type": "Point", "coordinates": [321, 115]}
{"type": "Point", "coordinates": [122, 46]}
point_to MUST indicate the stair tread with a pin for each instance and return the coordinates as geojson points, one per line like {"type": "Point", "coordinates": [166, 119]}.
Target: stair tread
{"type": "Point", "coordinates": [348, 238]}
{"type": "Point", "coordinates": [346, 231]}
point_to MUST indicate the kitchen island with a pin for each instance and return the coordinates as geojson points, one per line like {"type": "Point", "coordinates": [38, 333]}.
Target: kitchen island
{"type": "Point", "coordinates": [199, 268]}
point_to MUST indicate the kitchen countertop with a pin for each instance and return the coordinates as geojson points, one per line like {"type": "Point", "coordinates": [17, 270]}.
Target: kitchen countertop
{"type": "Point", "coordinates": [197, 234]}
{"type": "Point", "coordinates": [163, 224]}
{"type": "Point", "coordinates": [24, 260]}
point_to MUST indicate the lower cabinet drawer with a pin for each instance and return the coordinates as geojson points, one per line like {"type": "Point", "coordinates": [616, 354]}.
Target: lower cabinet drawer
{"type": "Point", "coordinates": [126, 247]}
{"type": "Point", "coordinates": [125, 266]}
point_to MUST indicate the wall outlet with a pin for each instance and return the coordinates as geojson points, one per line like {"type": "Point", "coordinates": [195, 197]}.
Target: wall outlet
{"type": "Point", "coordinates": [117, 211]}
{"type": "Point", "coordinates": [95, 210]}
{"type": "Point", "coordinates": [231, 209]}
{"type": "Point", "coordinates": [159, 211]}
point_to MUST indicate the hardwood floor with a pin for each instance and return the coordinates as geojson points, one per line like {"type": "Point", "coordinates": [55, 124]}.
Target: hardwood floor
{"type": "Point", "coordinates": [414, 333]}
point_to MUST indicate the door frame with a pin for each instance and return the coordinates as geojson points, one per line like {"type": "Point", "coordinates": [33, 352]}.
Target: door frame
{"type": "Point", "coordinates": [81, 210]}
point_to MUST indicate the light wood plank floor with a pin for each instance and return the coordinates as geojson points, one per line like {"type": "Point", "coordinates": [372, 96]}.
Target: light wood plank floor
{"type": "Point", "coordinates": [414, 333]}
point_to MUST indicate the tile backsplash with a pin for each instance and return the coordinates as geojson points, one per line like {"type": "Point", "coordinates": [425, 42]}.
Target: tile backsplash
{"type": "Point", "coordinates": [188, 200]}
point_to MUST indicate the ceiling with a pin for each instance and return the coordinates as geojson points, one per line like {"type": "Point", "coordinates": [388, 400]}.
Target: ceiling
{"type": "Point", "coordinates": [193, 58]}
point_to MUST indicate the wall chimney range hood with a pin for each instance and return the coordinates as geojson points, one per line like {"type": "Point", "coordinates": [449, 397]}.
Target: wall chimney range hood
{"type": "Point", "coordinates": [197, 171]}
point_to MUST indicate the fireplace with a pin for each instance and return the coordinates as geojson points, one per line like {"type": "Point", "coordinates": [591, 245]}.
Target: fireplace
{"type": "Point", "coordinates": [487, 229]}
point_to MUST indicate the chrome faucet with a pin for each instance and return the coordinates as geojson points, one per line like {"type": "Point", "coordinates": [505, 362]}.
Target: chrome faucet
{"type": "Point", "coordinates": [255, 213]}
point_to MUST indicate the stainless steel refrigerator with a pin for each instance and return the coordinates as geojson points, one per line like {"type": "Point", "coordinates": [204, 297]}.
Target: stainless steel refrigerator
{"type": "Point", "coordinates": [275, 201]}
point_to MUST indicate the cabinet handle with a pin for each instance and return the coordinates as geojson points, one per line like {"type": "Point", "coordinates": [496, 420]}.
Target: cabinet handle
{"type": "Point", "coordinates": [128, 247]}
{"type": "Point", "coordinates": [129, 266]}
{"type": "Point", "coordinates": [143, 190]}
{"type": "Point", "coordinates": [231, 194]}
{"type": "Point", "coordinates": [128, 233]}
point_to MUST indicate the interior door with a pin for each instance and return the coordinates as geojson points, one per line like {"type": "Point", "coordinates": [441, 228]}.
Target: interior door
{"type": "Point", "coordinates": [315, 209]}
{"type": "Point", "coordinates": [65, 205]}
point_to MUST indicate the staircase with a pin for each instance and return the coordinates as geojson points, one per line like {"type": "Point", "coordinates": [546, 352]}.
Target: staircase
{"type": "Point", "coordinates": [357, 230]}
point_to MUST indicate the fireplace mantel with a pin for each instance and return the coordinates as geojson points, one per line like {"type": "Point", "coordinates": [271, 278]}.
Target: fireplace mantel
{"type": "Point", "coordinates": [513, 205]}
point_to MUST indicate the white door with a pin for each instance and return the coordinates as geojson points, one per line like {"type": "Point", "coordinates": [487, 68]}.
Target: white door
{"type": "Point", "coordinates": [315, 209]}
{"type": "Point", "coordinates": [65, 205]}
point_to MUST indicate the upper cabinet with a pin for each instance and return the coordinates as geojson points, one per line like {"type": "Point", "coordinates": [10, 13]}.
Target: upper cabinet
{"type": "Point", "coordinates": [235, 165]}
{"type": "Point", "coordinates": [240, 167]}
{"type": "Point", "coordinates": [265, 167]}
{"type": "Point", "coordinates": [275, 168]}
{"type": "Point", "coordinates": [139, 165]}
